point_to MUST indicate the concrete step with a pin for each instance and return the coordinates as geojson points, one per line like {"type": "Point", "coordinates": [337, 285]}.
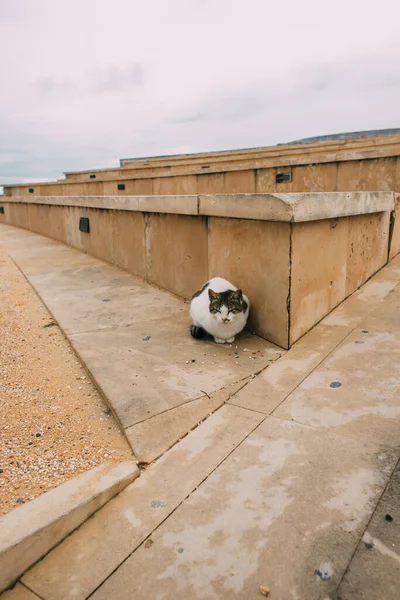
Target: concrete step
{"type": "Point", "coordinates": [83, 561]}
{"type": "Point", "coordinates": [275, 489]}
{"type": "Point", "coordinates": [134, 341]}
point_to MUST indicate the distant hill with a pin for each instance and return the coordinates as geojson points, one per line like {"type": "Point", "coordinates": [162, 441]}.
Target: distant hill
{"type": "Point", "coordinates": [345, 136]}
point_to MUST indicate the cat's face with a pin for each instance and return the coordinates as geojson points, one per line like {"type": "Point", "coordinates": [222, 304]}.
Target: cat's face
{"type": "Point", "coordinates": [224, 306]}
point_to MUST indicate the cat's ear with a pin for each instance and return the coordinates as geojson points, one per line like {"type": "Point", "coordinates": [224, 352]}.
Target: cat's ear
{"type": "Point", "coordinates": [238, 295]}
{"type": "Point", "coordinates": [212, 295]}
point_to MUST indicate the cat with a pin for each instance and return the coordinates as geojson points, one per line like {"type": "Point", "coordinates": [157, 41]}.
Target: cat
{"type": "Point", "coordinates": [218, 309]}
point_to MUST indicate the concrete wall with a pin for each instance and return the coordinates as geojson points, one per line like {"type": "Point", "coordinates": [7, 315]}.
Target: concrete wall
{"type": "Point", "coordinates": [354, 165]}
{"type": "Point", "coordinates": [330, 260]}
{"type": "Point", "coordinates": [378, 174]}
{"type": "Point", "coordinates": [296, 256]}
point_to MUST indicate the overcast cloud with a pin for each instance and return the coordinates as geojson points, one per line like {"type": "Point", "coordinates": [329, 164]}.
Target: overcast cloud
{"type": "Point", "coordinates": [84, 83]}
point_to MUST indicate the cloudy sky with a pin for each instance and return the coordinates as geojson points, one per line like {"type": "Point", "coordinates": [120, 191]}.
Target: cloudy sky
{"type": "Point", "coordinates": [84, 83]}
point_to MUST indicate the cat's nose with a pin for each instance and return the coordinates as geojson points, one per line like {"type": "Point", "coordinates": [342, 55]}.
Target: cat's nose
{"type": "Point", "coordinates": [226, 320]}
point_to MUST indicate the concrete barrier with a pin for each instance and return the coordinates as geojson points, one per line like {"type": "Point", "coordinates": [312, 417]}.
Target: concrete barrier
{"type": "Point", "coordinates": [297, 256]}
{"type": "Point", "coordinates": [27, 533]}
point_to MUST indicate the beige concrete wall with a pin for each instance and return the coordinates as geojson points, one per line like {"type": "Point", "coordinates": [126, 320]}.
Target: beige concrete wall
{"type": "Point", "coordinates": [363, 174]}
{"type": "Point", "coordinates": [367, 175]}
{"type": "Point", "coordinates": [177, 255]}
{"type": "Point", "coordinates": [171, 186]}
{"type": "Point", "coordinates": [295, 271]}
{"type": "Point", "coordinates": [254, 255]}
{"type": "Point", "coordinates": [16, 214]}
{"type": "Point", "coordinates": [367, 248]}
{"type": "Point", "coordinates": [330, 260]}
{"type": "Point", "coordinates": [128, 247]}
{"type": "Point", "coordinates": [311, 153]}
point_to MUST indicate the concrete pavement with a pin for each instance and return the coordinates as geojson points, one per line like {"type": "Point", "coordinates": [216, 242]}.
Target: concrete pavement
{"type": "Point", "coordinates": [133, 340]}
{"type": "Point", "coordinates": [292, 484]}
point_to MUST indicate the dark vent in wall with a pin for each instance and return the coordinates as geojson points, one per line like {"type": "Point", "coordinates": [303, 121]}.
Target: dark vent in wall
{"type": "Point", "coordinates": [31, 190]}
{"type": "Point", "coordinates": [1, 210]}
{"type": "Point", "coordinates": [84, 224]}
{"type": "Point", "coordinates": [121, 186]}
{"type": "Point", "coordinates": [283, 177]}
{"type": "Point", "coordinates": [92, 176]}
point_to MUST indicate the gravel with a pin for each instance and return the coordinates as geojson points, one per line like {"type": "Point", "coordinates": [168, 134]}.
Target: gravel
{"type": "Point", "coordinates": [54, 425]}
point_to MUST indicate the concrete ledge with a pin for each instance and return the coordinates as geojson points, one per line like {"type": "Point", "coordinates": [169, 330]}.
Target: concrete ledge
{"type": "Point", "coordinates": [27, 533]}
{"type": "Point", "coordinates": [295, 208]}
{"type": "Point", "coordinates": [183, 205]}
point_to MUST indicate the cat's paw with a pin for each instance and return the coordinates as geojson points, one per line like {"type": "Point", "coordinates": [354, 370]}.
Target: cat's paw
{"type": "Point", "coordinates": [219, 340]}
{"type": "Point", "coordinates": [230, 340]}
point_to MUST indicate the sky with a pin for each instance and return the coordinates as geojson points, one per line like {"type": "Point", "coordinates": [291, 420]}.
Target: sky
{"type": "Point", "coordinates": [85, 83]}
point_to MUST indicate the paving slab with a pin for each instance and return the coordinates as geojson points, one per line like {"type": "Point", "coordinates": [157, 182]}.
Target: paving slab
{"type": "Point", "coordinates": [353, 310]}
{"type": "Point", "coordinates": [355, 390]}
{"type": "Point", "coordinates": [82, 562]}
{"type": "Point", "coordinates": [374, 571]}
{"type": "Point", "coordinates": [265, 392]}
{"type": "Point", "coordinates": [37, 256]}
{"type": "Point", "coordinates": [152, 366]}
{"type": "Point", "coordinates": [102, 296]}
{"type": "Point", "coordinates": [285, 510]}
{"type": "Point", "coordinates": [168, 427]}
{"type": "Point", "coordinates": [133, 339]}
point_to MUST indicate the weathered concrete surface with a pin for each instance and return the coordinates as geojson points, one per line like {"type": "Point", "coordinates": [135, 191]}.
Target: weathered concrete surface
{"type": "Point", "coordinates": [81, 563]}
{"type": "Point", "coordinates": [330, 260]}
{"type": "Point", "coordinates": [134, 341]}
{"type": "Point", "coordinates": [355, 391]}
{"type": "Point", "coordinates": [27, 533]}
{"type": "Point", "coordinates": [143, 377]}
{"type": "Point", "coordinates": [374, 571]}
{"type": "Point", "coordinates": [176, 422]}
{"type": "Point", "coordinates": [296, 208]}
{"type": "Point", "coordinates": [251, 522]}
{"type": "Point", "coordinates": [267, 391]}
{"type": "Point", "coordinates": [238, 203]}
{"type": "Point", "coordinates": [288, 507]}
{"type": "Point", "coordinates": [248, 499]}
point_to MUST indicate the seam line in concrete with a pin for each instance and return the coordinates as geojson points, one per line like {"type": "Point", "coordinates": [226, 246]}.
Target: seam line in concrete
{"type": "Point", "coordinates": [187, 402]}
{"type": "Point", "coordinates": [178, 505]}
{"type": "Point", "coordinates": [28, 588]}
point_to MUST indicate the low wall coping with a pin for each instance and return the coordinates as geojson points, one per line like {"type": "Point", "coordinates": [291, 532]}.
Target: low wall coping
{"type": "Point", "coordinates": [297, 208]}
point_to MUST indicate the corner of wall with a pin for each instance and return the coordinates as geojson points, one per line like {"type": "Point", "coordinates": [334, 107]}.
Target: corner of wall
{"type": "Point", "coordinates": [288, 299]}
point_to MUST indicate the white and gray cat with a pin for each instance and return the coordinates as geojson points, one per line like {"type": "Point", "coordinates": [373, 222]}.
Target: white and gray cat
{"type": "Point", "coordinates": [219, 309]}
